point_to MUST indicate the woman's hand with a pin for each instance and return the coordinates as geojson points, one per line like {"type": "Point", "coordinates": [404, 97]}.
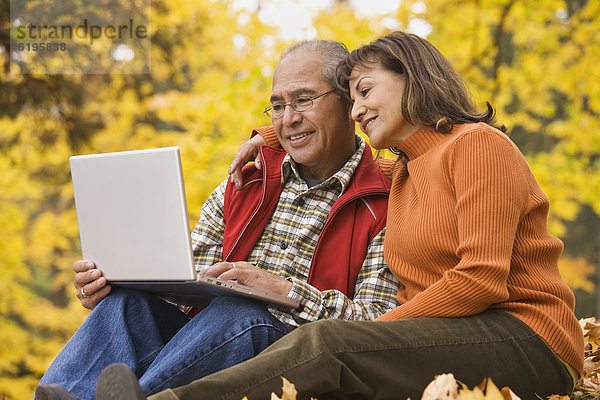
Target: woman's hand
{"type": "Point", "coordinates": [247, 152]}
{"type": "Point", "coordinates": [249, 275]}
{"type": "Point", "coordinates": [90, 284]}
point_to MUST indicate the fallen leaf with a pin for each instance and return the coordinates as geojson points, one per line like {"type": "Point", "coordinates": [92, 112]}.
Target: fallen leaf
{"type": "Point", "coordinates": [443, 387]}
{"type": "Point", "coordinates": [474, 394]}
{"type": "Point", "coordinates": [509, 394]}
{"type": "Point", "coordinates": [492, 392]}
{"type": "Point", "coordinates": [289, 391]}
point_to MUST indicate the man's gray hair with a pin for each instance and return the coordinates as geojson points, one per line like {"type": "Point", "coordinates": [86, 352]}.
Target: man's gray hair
{"type": "Point", "coordinates": [333, 53]}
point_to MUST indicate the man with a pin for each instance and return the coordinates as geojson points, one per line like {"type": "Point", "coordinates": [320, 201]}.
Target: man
{"type": "Point", "coordinates": [309, 225]}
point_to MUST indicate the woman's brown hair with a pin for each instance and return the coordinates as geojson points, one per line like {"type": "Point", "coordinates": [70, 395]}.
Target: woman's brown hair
{"type": "Point", "coordinates": [435, 96]}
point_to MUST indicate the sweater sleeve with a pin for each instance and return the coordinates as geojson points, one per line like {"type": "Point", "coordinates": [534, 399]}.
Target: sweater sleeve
{"type": "Point", "coordinates": [268, 133]}
{"type": "Point", "coordinates": [492, 192]}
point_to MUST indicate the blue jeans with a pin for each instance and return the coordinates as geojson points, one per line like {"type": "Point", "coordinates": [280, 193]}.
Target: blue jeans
{"type": "Point", "coordinates": [161, 344]}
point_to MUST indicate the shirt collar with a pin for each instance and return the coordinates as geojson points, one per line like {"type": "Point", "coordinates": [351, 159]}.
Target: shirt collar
{"type": "Point", "coordinates": [289, 169]}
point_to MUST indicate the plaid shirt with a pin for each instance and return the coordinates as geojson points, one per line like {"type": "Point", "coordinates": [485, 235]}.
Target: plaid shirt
{"type": "Point", "coordinates": [288, 242]}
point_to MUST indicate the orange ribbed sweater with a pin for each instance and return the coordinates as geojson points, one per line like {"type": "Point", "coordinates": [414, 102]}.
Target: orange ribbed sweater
{"type": "Point", "coordinates": [466, 231]}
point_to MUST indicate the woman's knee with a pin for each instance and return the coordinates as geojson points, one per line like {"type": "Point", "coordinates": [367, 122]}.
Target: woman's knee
{"type": "Point", "coordinates": [322, 335]}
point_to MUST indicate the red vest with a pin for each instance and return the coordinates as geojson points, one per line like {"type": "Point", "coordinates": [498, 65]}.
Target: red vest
{"type": "Point", "coordinates": [355, 219]}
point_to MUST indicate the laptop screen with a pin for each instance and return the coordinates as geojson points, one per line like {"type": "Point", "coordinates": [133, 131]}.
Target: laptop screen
{"type": "Point", "coordinates": [132, 214]}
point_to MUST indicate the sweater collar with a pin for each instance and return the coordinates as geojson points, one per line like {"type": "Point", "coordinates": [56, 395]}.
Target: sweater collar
{"type": "Point", "coordinates": [420, 142]}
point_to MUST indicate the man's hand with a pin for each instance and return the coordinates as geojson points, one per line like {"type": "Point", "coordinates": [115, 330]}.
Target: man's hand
{"type": "Point", "coordinates": [248, 151]}
{"type": "Point", "coordinates": [249, 275]}
{"type": "Point", "coordinates": [90, 284]}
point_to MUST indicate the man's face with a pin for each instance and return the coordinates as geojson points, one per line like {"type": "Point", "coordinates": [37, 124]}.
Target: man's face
{"type": "Point", "coordinates": [320, 139]}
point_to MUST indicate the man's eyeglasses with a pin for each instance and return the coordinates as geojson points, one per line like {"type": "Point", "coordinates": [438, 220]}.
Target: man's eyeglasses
{"type": "Point", "coordinates": [301, 104]}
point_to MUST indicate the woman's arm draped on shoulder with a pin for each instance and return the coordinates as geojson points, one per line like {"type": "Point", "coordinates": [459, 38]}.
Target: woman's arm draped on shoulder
{"type": "Point", "coordinates": [266, 135]}
{"type": "Point", "coordinates": [491, 192]}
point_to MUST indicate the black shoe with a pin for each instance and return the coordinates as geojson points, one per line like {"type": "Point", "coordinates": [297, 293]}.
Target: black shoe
{"type": "Point", "coordinates": [118, 382]}
{"type": "Point", "coordinates": [53, 391]}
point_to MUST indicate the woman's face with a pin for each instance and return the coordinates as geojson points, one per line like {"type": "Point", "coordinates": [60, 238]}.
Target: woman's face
{"type": "Point", "coordinates": [377, 95]}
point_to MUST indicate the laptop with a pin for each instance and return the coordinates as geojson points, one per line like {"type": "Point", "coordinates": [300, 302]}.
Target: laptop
{"type": "Point", "coordinates": [133, 223]}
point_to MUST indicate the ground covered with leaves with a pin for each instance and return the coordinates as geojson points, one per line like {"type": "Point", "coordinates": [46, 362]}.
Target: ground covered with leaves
{"type": "Point", "coordinates": [588, 386]}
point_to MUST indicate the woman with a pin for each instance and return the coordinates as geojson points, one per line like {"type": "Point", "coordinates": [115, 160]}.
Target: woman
{"type": "Point", "coordinates": [467, 237]}
{"type": "Point", "coordinates": [467, 232]}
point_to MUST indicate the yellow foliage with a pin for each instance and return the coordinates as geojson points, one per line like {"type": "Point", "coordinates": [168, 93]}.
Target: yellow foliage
{"type": "Point", "coordinates": [204, 95]}
{"type": "Point", "coordinates": [205, 92]}
{"type": "Point", "coordinates": [576, 273]}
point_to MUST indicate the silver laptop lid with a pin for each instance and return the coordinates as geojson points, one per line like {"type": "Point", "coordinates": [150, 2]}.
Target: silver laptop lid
{"type": "Point", "coordinates": [132, 214]}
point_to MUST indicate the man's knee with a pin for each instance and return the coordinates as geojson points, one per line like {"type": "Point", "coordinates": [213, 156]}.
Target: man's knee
{"type": "Point", "coordinates": [232, 309]}
{"type": "Point", "coordinates": [132, 303]}
{"type": "Point", "coordinates": [122, 297]}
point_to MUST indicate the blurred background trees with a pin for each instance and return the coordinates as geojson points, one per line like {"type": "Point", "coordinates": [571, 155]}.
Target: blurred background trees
{"type": "Point", "coordinates": [211, 68]}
